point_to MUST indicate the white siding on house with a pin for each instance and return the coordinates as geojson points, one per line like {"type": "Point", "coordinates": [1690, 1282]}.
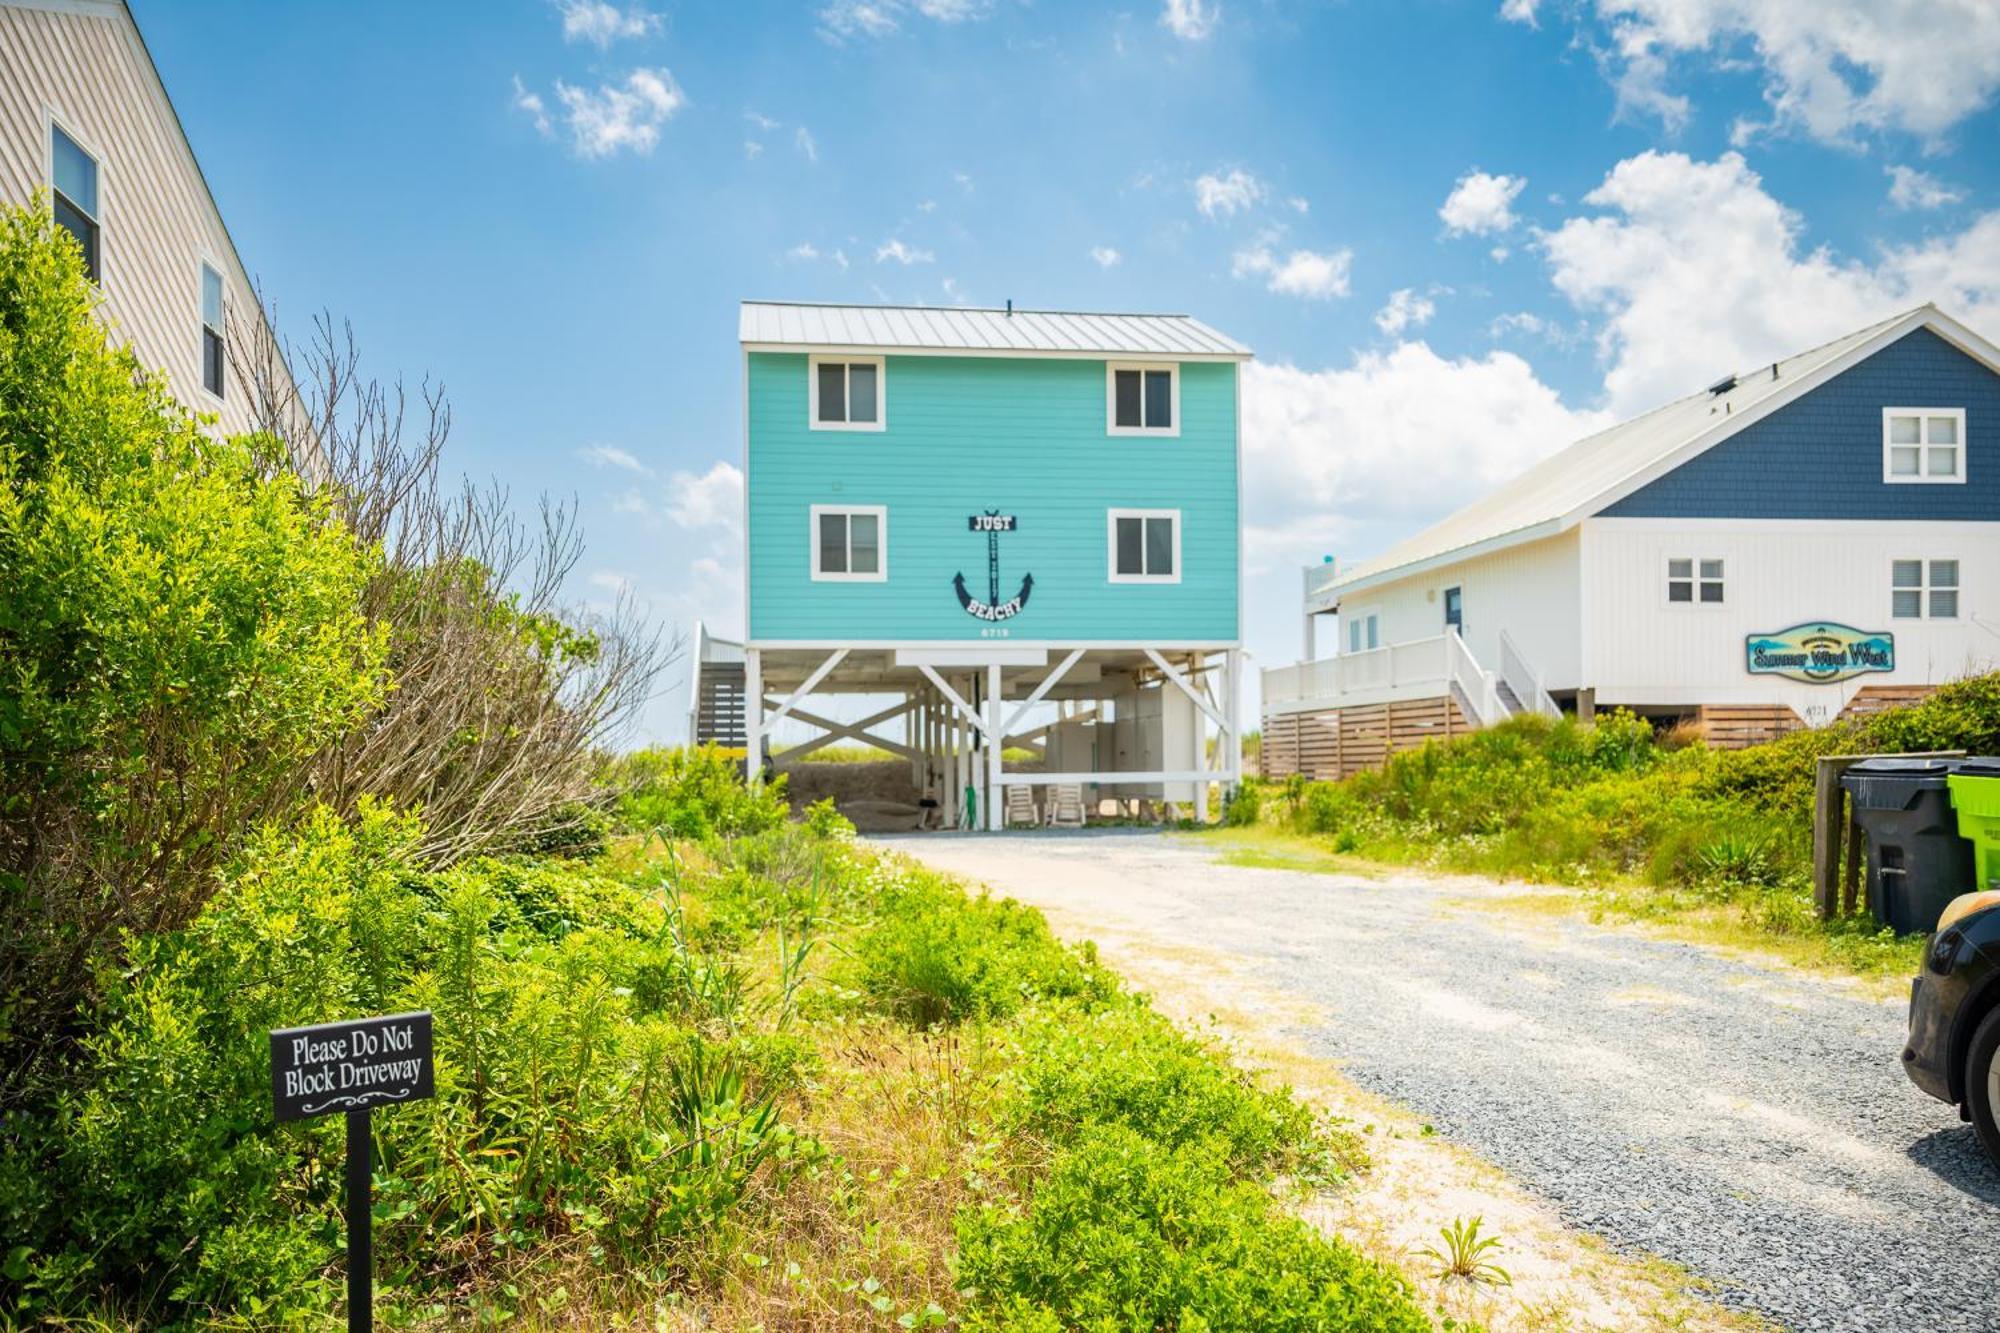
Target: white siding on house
{"type": "Point", "coordinates": [83, 64]}
{"type": "Point", "coordinates": [1640, 649]}
{"type": "Point", "coordinates": [1531, 591]}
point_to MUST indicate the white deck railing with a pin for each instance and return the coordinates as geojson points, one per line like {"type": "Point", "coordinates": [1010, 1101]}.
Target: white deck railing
{"type": "Point", "coordinates": [1417, 669]}
{"type": "Point", "coordinates": [1524, 680]}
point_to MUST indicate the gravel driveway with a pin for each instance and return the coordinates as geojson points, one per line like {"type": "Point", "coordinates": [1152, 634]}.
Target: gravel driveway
{"type": "Point", "coordinates": [1747, 1122]}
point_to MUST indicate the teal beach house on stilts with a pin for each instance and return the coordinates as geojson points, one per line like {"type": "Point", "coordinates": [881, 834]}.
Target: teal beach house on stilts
{"type": "Point", "coordinates": [1019, 529]}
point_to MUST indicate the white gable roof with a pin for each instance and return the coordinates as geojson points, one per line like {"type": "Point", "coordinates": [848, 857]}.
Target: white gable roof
{"type": "Point", "coordinates": [1601, 469]}
{"type": "Point", "coordinates": [791, 326]}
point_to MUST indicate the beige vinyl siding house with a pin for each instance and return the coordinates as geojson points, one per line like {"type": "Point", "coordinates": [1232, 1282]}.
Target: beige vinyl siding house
{"type": "Point", "coordinates": [81, 67]}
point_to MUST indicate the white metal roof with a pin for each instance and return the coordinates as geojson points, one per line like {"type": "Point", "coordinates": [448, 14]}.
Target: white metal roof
{"type": "Point", "coordinates": [1601, 469]}
{"type": "Point", "coordinates": [792, 326]}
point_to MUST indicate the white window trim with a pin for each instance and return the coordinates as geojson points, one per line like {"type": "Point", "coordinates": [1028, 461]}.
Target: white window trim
{"type": "Point", "coordinates": [1694, 580]}
{"type": "Point", "coordinates": [51, 122]}
{"type": "Point", "coordinates": [1923, 457]}
{"type": "Point", "coordinates": [1111, 426]}
{"type": "Point", "coordinates": [207, 262]}
{"type": "Point", "coordinates": [1924, 587]}
{"type": "Point", "coordinates": [1111, 545]}
{"type": "Point", "coordinates": [881, 574]}
{"type": "Point", "coordinates": [813, 363]}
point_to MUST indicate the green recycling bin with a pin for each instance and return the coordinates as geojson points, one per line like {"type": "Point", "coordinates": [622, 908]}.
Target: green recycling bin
{"type": "Point", "coordinates": [1975, 796]}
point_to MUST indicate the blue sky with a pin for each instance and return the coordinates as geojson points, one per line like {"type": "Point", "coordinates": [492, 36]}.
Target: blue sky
{"type": "Point", "coordinates": [1458, 234]}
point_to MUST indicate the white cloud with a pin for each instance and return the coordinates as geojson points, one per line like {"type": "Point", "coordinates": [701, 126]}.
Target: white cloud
{"type": "Point", "coordinates": [1697, 271]}
{"type": "Point", "coordinates": [1831, 67]}
{"type": "Point", "coordinates": [752, 149]}
{"type": "Point", "coordinates": [954, 11]}
{"type": "Point", "coordinates": [1405, 311]}
{"type": "Point", "coordinates": [858, 18]}
{"type": "Point", "coordinates": [1228, 194]}
{"type": "Point", "coordinates": [804, 252]}
{"type": "Point", "coordinates": [1311, 274]}
{"type": "Point", "coordinates": [1481, 204]}
{"type": "Point", "coordinates": [532, 104]}
{"type": "Point", "coordinates": [762, 121]}
{"type": "Point", "coordinates": [1190, 20]}
{"type": "Point", "coordinates": [612, 118]}
{"type": "Point", "coordinates": [712, 499]}
{"type": "Point", "coordinates": [601, 24]}
{"type": "Point", "coordinates": [1499, 254]}
{"type": "Point", "coordinates": [1297, 203]}
{"type": "Point", "coordinates": [1327, 451]}
{"type": "Point", "coordinates": [879, 18]}
{"type": "Point", "coordinates": [953, 292]}
{"type": "Point", "coordinates": [963, 181]}
{"type": "Point", "coordinates": [607, 455]}
{"type": "Point", "coordinates": [893, 248]}
{"type": "Point", "coordinates": [806, 144]}
{"type": "Point", "coordinates": [1519, 11]}
{"type": "Point", "coordinates": [1105, 256]}
{"type": "Point", "coordinates": [1910, 188]}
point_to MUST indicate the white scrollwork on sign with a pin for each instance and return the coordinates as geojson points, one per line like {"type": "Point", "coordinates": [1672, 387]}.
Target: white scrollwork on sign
{"type": "Point", "coordinates": [346, 1103]}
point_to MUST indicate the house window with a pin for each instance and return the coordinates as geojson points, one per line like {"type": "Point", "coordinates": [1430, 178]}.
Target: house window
{"type": "Point", "coordinates": [1142, 399]}
{"type": "Point", "coordinates": [1364, 633]}
{"type": "Point", "coordinates": [850, 543]}
{"type": "Point", "coordinates": [1691, 580]}
{"type": "Point", "coordinates": [211, 330]}
{"type": "Point", "coordinates": [73, 178]}
{"type": "Point", "coordinates": [846, 393]}
{"type": "Point", "coordinates": [1145, 545]}
{"type": "Point", "coordinates": [1923, 444]}
{"type": "Point", "coordinates": [1923, 589]}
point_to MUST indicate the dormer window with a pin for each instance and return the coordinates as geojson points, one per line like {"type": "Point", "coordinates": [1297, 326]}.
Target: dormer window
{"type": "Point", "coordinates": [847, 393]}
{"type": "Point", "coordinates": [1142, 399]}
{"type": "Point", "coordinates": [1923, 444]}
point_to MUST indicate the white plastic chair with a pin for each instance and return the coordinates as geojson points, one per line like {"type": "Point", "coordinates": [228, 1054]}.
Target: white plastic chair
{"type": "Point", "coordinates": [1066, 806]}
{"type": "Point", "coordinates": [1020, 808]}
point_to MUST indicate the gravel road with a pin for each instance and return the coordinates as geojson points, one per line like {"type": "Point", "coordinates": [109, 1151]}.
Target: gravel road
{"type": "Point", "coordinates": [1742, 1120]}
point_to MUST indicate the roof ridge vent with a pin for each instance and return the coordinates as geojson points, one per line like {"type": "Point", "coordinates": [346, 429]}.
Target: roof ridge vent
{"type": "Point", "coordinates": [1722, 386]}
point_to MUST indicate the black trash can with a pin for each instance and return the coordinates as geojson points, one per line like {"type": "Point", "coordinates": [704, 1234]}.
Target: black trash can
{"type": "Point", "coordinates": [1916, 861]}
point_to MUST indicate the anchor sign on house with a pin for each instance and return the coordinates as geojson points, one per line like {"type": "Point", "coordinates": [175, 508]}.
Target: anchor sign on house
{"type": "Point", "coordinates": [992, 523]}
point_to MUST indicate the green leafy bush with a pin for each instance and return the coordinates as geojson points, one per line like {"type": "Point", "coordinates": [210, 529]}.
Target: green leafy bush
{"type": "Point", "coordinates": [1125, 1065]}
{"type": "Point", "coordinates": [1131, 1233]}
{"type": "Point", "coordinates": [692, 792]}
{"type": "Point", "coordinates": [182, 635]}
{"type": "Point", "coordinates": [581, 1089]}
{"type": "Point", "coordinates": [936, 956]}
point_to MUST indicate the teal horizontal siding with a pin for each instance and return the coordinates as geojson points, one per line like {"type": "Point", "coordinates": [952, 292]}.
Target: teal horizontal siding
{"type": "Point", "coordinates": [968, 434]}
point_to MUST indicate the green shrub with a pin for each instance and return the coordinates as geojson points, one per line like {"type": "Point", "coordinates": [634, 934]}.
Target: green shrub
{"type": "Point", "coordinates": [578, 1093]}
{"type": "Point", "coordinates": [936, 956]}
{"type": "Point", "coordinates": [692, 792]}
{"type": "Point", "coordinates": [1245, 805]}
{"type": "Point", "coordinates": [1125, 1065]}
{"type": "Point", "coordinates": [1129, 1233]}
{"type": "Point", "coordinates": [182, 635]}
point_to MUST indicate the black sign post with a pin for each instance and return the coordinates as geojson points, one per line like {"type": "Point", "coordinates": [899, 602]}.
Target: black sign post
{"type": "Point", "coordinates": [353, 1067]}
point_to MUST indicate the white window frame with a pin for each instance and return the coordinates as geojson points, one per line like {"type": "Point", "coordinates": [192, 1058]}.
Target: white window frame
{"type": "Point", "coordinates": [881, 574]}
{"type": "Point", "coordinates": [51, 122]}
{"type": "Point", "coordinates": [1694, 580]}
{"type": "Point", "coordinates": [1923, 447]}
{"type": "Point", "coordinates": [203, 267]}
{"type": "Point", "coordinates": [1923, 587]}
{"type": "Point", "coordinates": [817, 359]}
{"type": "Point", "coordinates": [1111, 426]}
{"type": "Point", "coordinates": [1111, 544]}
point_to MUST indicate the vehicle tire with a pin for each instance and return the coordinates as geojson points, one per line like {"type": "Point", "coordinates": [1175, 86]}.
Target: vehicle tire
{"type": "Point", "coordinates": [1982, 1084]}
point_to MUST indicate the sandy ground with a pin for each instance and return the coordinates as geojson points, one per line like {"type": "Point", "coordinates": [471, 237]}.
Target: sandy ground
{"type": "Point", "coordinates": [1631, 1088]}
